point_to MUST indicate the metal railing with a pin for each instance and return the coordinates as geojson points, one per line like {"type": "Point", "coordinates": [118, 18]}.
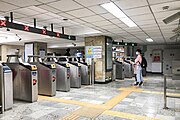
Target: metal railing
{"type": "Point", "coordinates": [165, 91]}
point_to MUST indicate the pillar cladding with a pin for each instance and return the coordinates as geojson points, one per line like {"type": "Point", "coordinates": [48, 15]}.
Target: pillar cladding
{"type": "Point", "coordinates": [101, 74]}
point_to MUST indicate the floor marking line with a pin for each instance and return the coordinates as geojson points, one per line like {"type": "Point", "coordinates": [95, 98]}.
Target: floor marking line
{"type": "Point", "coordinates": [73, 102]}
{"type": "Point", "coordinates": [115, 100]}
{"type": "Point", "coordinates": [137, 89]}
{"type": "Point", "coordinates": [128, 115]}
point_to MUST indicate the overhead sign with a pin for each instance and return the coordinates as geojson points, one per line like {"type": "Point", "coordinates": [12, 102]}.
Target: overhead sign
{"type": "Point", "coordinates": [4, 23]}
{"type": "Point", "coordinates": [93, 51]}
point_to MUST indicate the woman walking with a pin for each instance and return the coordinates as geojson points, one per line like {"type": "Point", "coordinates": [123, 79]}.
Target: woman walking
{"type": "Point", "coordinates": [138, 68]}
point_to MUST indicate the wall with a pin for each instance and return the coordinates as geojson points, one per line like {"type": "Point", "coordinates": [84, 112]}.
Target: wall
{"type": "Point", "coordinates": [63, 51]}
{"type": "Point", "coordinates": [150, 48]}
{"type": "Point", "coordinates": [9, 50]}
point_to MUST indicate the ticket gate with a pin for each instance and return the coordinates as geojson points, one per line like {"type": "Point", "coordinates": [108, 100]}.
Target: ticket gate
{"type": "Point", "coordinates": [128, 70]}
{"type": "Point", "coordinates": [119, 70]}
{"type": "Point", "coordinates": [62, 74]}
{"type": "Point", "coordinates": [75, 71]}
{"type": "Point", "coordinates": [6, 100]}
{"type": "Point", "coordinates": [46, 76]}
{"type": "Point", "coordinates": [85, 70]}
{"type": "Point", "coordinates": [25, 80]}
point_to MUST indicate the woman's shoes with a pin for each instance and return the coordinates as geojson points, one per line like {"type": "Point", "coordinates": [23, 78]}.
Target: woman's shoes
{"type": "Point", "coordinates": [138, 83]}
{"type": "Point", "coordinates": [141, 83]}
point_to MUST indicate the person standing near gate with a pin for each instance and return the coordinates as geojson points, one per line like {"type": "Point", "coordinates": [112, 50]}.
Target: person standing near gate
{"type": "Point", "coordinates": [138, 68]}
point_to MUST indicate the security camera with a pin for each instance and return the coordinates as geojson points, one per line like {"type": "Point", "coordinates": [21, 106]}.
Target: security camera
{"type": "Point", "coordinates": [172, 18]}
{"type": "Point", "coordinates": [8, 29]}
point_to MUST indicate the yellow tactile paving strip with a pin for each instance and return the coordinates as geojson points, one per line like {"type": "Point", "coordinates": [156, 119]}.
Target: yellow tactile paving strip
{"type": "Point", "coordinates": [127, 115]}
{"type": "Point", "coordinates": [103, 108]}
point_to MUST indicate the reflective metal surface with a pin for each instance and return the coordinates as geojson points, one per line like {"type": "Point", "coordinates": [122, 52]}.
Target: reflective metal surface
{"type": "Point", "coordinates": [120, 74]}
{"type": "Point", "coordinates": [176, 69]}
{"type": "Point", "coordinates": [75, 71]}
{"type": "Point", "coordinates": [128, 70]}
{"type": "Point", "coordinates": [46, 76]}
{"type": "Point", "coordinates": [8, 87]}
{"type": "Point", "coordinates": [63, 77]}
{"type": "Point", "coordinates": [25, 85]}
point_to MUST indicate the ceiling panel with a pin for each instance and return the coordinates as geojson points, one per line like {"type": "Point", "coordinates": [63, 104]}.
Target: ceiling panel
{"type": "Point", "coordinates": [102, 23]}
{"type": "Point", "coordinates": [147, 22]}
{"type": "Point", "coordinates": [98, 9]}
{"type": "Point", "coordinates": [175, 5]}
{"type": "Point", "coordinates": [23, 3]}
{"type": "Point", "coordinates": [108, 16]}
{"type": "Point", "coordinates": [49, 8]}
{"type": "Point", "coordinates": [81, 13]}
{"type": "Point", "coordinates": [4, 7]}
{"type": "Point", "coordinates": [79, 21]}
{"type": "Point", "coordinates": [93, 18]}
{"type": "Point", "coordinates": [65, 15]}
{"type": "Point", "coordinates": [142, 17]}
{"type": "Point", "coordinates": [91, 2]}
{"type": "Point", "coordinates": [116, 21]}
{"type": "Point", "coordinates": [108, 27]}
{"type": "Point", "coordinates": [127, 4]}
{"type": "Point", "coordinates": [159, 1]}
{"type": "Point", "coordinates": [46, 1]}
{"type": "Point", "coordinates": [27, 11]}
{"type": "Point", "coordinates": [65, 5]}
{"type": "Point", "coordinates": [137, 11]}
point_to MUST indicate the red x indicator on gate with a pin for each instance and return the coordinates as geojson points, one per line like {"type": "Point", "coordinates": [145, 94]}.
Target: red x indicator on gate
{"type": "Point", "coordinates": [44, 31]}
{"type": "Point", "coordinates": [3, 23]}
{"type": "Point", "coordinates": [26, 28]}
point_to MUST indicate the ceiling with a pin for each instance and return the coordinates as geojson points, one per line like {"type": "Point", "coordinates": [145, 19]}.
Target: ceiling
{"type": "Point", "coordinates": [88, 18]}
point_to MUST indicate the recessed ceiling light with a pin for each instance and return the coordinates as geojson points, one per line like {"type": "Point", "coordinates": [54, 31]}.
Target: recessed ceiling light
{"type": "Point", "coordinates": [113, 9]}
{"type": "Point", "coordinates": [149, 40]}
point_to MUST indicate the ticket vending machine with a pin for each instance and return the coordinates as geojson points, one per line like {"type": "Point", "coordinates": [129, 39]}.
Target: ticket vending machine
{"type": "Point", "coordinates": [46, 76]}
{"type": "Point", "coordinates": [75, 71]}
{"type": "Point", "coordinates": [6, 97]}
{"type": "Point", "coordinates": [25, 79]}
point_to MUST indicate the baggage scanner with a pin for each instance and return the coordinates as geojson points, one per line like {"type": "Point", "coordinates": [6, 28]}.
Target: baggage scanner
{"type": "Point", "coordinates": [46, 76]}
{"type": "Point", "coordinates": [25, 79]}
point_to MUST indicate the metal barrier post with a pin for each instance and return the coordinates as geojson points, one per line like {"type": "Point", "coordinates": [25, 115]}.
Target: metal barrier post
{"type": "Point", "coordinates": [165, 92]}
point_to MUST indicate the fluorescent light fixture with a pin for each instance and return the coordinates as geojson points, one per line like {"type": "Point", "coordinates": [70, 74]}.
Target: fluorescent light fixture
{"type": "Point", "coordinates": [113, 9]}
{"type": "Point", "coordinates": [149, 40]}
{"type": "Point", "coordinates": [128, 22]}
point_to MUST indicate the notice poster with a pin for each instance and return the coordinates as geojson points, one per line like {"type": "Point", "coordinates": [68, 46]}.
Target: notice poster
{"type": "Point", "coordinates": [28, 51]}
{"type": "Point", "coordinates": [97, 52]}
{"type": "Point", "coordinates": [93, 51]}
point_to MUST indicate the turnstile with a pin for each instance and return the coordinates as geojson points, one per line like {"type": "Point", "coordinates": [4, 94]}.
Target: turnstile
{"type": "Point", "coordinates": [6, 100]}
{"type": "Point", "coordinates": [75, 72]}
{"type": "Point", "coordinates": [46, 76]}
{"type": "Point", "coordinates": [85, 70]}
{"type": "Point", "coordinates": [63, 77]}
{"type": "Point", "coordinates": [62, 73]}
{"type": "Point", "coordinates": [128, 70]}
{"type": "Point", "coordinates": [119, 70]}
{"type": "Point", "coordinates": [25, 80]}
{"type": "Point", "coordinates": [114, 71]}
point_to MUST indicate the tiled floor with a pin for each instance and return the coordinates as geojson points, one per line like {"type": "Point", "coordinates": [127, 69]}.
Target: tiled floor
{"type": "Point", "coordinates": [136, 105]}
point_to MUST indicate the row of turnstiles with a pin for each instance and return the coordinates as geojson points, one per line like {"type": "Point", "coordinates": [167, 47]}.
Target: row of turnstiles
{"type": "Point", "coordinates": [122, 70]}
{"type": "Point", "coordinates": [24, 81]}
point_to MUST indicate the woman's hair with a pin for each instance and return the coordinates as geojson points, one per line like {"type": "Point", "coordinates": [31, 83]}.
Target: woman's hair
{"type": "Point", "coordinates": [138, 50]}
